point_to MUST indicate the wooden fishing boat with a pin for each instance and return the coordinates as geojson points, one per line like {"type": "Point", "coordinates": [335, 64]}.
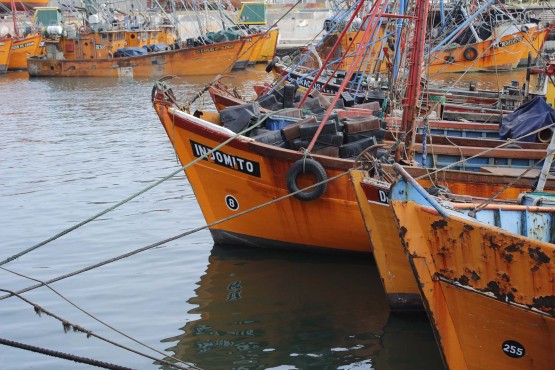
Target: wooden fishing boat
{"type": "Point", "coordinates": [535, 42]}
{"type": "Point", "coordinates": [499, 52]}
{"type": "Point", "coordinates": [487, 277]}
{"type": "Point", "coordinates": [94, 55]}
{"type": "Point", "coordinates": [265, 49]}
{"type": "Point", "coordinates": [26, 37]}
{"type": "Point", "coordinates": [259, 47]}
{"type": "Point", "coordinates": [373, 195]}
{"type": "Point", "coordinates": [25, 47]}
{"type": "Point", "coordinates": [5, 51]}
{"type": "Point", "coordinates": [246, 174]}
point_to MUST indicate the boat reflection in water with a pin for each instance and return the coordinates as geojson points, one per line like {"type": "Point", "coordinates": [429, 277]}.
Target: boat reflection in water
{"type": "Point", "coordinates": [261, 309]}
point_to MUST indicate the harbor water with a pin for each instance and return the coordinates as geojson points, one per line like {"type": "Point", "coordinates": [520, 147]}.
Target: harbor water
{"type": "Point", "coordinates": [71, 148]}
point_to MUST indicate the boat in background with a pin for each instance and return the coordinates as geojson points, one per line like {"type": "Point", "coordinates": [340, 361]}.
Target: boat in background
{"type": "Point", "coordinates": [5, 51]}
{"type": "Point", "coordinates": [26, 36]}
{"type": "Point", "coordinates": [536, 40]}
{"type": "Point", "coordinates": [23, 48]}
{"type": "Point", "coordinates": [201, 60]}
{"type": "Point", "coordinates": [94, 47]}
{"type": "Point", "coordinates": [486, 273]}
{"type": "Point", "coordinates": [31, 4]}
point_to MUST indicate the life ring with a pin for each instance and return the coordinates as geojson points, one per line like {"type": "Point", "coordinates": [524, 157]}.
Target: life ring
{"type": "Point", "coordinates": [83, 30]}
{"type": "Point", "coordinates": [272, 64]}
{"type": "Point", "coordinates": [313, 167]}
{"type": "Point", "coordinates": [470, 53]}
{"type": "Point", "coordinates": [449, 59]}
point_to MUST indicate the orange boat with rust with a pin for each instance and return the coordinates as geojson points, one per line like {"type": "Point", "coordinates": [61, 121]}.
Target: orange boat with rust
{"type": "Point", "coordinates": [23, 48]}
{"type": "Point", "coordinates": [486, 274]}
{"type": "Point", "coordinates": [259, 47]}
{"type": "Point", "coordinates": [373, 195]}
{"type": "Point", "coordinates": [96, 55]}
{"type": "Point", "coordinates": [535, 42]}
{"type": "Point", "coordinates": [5, 51]}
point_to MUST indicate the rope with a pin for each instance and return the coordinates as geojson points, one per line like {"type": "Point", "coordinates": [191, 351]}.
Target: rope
{"type": "Point", "coordinates": [490, 199]}
{"type": "Point", "coordinates": [182, 168]}
{"type": "Point", "coordinates": [65, 356]}
{"type": "Point", "coordinates": [76, 328]}
{"type": "Point", "coordinates": [165, 241]}
{"type": "Point", "coordinates": [91, 315]}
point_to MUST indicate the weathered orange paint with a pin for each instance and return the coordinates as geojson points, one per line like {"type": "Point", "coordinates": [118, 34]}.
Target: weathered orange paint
{"type": "Point", "coordinates": [489, 57]}
{"type": "Point", "coordinates": [266, 51]}
{"type": "Point", "coordinates": [24, 48]}
{"type": "Point", "coordinates": [380, 223]}
{"type": "Point", "coordinates": [289, 223]}
{"type": "Point", "coordinates": [5, 51]}
{"type": "Point", "coordinates": [536, 39]}
{"type": "Point", "coordinates": [203, 60]}
{"type": "Point", "coordinates": [477, 297]}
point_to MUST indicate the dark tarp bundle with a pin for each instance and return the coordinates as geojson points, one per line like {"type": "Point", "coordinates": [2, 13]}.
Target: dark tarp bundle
{"type": "Point", "coordinates": [528, 117]}
{"type": "Point", "coordinates": [130, 52]}
{"type": "Point", "coordinates": [221, 36]}
{"type": "Point", "coordinates": [156, 47]}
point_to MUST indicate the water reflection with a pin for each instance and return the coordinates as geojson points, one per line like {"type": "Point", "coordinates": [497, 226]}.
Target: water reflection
{"type": "Point", "coordinates": [262, 309]}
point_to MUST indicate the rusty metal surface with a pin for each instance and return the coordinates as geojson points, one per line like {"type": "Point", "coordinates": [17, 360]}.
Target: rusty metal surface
{"type": "Point", "coordinates": [509, 267]}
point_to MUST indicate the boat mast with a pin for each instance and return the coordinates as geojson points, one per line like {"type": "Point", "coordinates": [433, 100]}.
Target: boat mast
{"type": "Point", "coordinates": [416, 60]}
{"type": "Point", "coordinates": [14, 11]}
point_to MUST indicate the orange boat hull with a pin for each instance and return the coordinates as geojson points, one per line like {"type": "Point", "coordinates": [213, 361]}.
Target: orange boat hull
{"type": "Point", "coordinates": [399, 283]}
{"type": "Point", "coordinates": [5, 51]}
{"type": "Point", "coordinates": [481, 56]}
{"type": "Point", "coordinates": [203, 60]}
{"type": "Point", "coordinates": [488, 293]}
{"type": "Point", "coordinates": [245, 174]}
{"type": "Point", "coordinates": [266, 51]}
{"type": "Point", "coordinates": [537, 39]}
{"type": "Point", "coordinates": [22, 49]}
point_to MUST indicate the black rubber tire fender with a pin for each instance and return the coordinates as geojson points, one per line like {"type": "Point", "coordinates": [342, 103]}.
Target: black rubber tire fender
{"type": "Point", "coordinates": [313, 167]}
{"type": "Point", "coordinates": [470, 53]}
{"type": "Point", "coordinates": [272, 64]}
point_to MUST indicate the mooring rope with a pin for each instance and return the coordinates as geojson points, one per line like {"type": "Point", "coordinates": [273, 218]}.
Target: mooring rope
{"type": "Point", "coordinates": [63, 355]}
{"type": "Point", "coordinates": [165, 241]}
{"type": "Point", "coordinates": [68, 326]}
{"type": "Point", "coordinates": [128, 199]}
{"type": "Point", "coordinates": [494, 196]}
{"type": "Point", "coordinates": [91, 315]}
